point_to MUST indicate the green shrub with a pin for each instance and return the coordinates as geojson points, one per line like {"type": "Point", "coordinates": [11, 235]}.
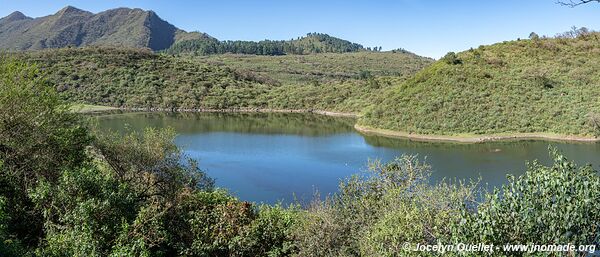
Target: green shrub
{"type": "Point", "coordinates": [39, 137]}
{"type": "Point", "coordinates": [451, 58]}
{"type": "Point", "coordinates": [376, 214]}
{"type": "Point", "coordinates": [9, 244]}
{"type": "Point", "coordinates": [84, 212]}
{"type": "Point", "coordinates": [269, 234]}
{"type": "Point", "coordinates": [594, 122]}
{"type": "Point", "coordinates": [547, 205]}
{"type": "Point", "coordinates": [422, 218]}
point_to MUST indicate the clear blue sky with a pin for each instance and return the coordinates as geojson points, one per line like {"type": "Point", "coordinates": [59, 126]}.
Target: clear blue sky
{"type": "Point", "coordinates": [426, 27]}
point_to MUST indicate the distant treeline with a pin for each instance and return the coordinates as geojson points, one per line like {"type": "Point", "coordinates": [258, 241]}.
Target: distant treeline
{"type": "Point", "coordinates": [311, 43]}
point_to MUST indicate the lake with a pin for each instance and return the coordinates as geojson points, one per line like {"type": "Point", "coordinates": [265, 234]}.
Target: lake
{"type": "Point", "coordinates": [271, 157]}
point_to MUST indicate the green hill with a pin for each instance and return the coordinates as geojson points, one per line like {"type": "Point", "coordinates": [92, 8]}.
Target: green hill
{"type": "Point", "coordinates": [542, 85]}
{"type": "Point", "coordinates": [321, 68]}
{"type": "Point", "coordinates": [309, 44]}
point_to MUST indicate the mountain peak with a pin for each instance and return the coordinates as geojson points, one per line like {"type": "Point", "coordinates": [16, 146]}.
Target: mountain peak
{"type": "Point", "coordinates": [15, 16]}
{"type": "Point", "coordinates": [72, 10]}
{"type": "Point", "coordinates": [71, 26]}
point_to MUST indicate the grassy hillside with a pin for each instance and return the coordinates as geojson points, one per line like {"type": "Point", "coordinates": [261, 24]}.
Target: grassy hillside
{"type": "Point", "coordinates": [136, 78]}
{"type": "Point", "coordinates": [299, 69]}
{"type": "Point", "coordinates": [346, 82]}
{"type": "Point", "coordinates": [541, 85]}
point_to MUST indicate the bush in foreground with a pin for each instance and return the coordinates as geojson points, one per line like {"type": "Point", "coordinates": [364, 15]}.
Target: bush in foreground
{"type": "Point", "coordinates": [376, 214]}
{"type": "Point", "coordinates": [66, 191]}
{"type": "Point", "coordinates": [555, 204]}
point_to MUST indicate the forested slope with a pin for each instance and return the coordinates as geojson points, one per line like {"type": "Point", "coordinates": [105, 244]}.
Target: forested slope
{"type": "Point", "coordinates": [309, 44]}
{"type": "Point", "coordinates": [142, 79]}
{"type": "Point", "coordinates": [139, 78]}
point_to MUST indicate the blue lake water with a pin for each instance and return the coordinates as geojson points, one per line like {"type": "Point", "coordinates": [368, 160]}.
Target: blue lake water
{"type": "Point", "coordinates": [286, 157]}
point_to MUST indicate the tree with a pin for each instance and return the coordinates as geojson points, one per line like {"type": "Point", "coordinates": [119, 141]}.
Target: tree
{"type": "Point", "coordinates": [39, 137]}
{"type": "Point", "coordinates": [451, 58]}
{"type": "Point", "coordinates": [534, 36]}
{"type": "Point", "coordinates": [572, 3]}
{"type": "Point", "coordinates": [594, 121]}
{"type": "Point", "coordinates": [575, 33]}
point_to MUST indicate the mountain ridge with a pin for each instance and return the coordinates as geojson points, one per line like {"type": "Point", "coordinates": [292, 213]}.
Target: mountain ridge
{"type": "Point", "coordinates": [138, 28]}
{"type": "Point", "coordinates": [71, 26]}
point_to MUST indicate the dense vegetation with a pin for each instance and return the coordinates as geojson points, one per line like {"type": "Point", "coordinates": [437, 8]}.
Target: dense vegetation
{"type": "Point", "coordinates": [138, 78]}
{"type": "Point", "coordinates": [376, 214]}
{"type": "Point", "coordinates": [68, 190]}
{"type": "Point", "coordinates": [539, 85]}
{"type": "Point", "coordinates": [310, 44]}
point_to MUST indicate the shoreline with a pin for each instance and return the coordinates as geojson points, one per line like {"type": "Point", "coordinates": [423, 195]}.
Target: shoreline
{"type": "Point", "coordinates": [88, 108]}
{"type": "Point", "coordinates": [244, 110]}
{"type": "Point", "coordinates": [473, 139]}
{"type": "Point", "coordinates": [468, 139]}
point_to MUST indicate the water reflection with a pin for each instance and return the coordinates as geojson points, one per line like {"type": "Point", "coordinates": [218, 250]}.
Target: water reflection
{"type": "Point", "coordinates": [254, 123]}
{"type": "Point", "coordinates": [273, 156]}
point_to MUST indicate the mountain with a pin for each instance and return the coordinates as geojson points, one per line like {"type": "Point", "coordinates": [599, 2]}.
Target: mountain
{"type": "Point", "coordinates": [309, 44]}
{"type": "Point", "coordinates": [74, 27]}
{"type": "Point", "coordinates": [138, 28]}
{"type": "Point", "coordinates": [542, 85]}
